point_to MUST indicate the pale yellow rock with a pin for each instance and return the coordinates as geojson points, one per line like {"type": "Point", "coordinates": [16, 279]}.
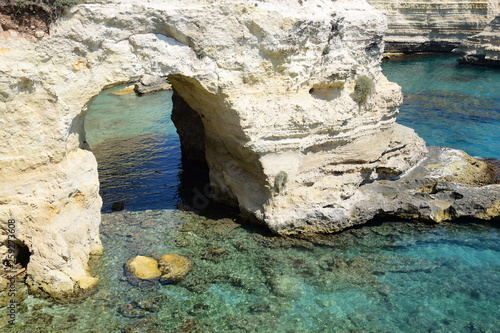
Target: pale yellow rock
{"type": "Point", "coordinates": [88, 282]}
{"type": "Point", "coordinates": [174, 267]}
{"type": "Point", "coordinates": [145, 268]}
{"type": "Point", "coordinates": [250, 72]}
{"type": "Point", "coordinates": [124, 91]}
{"type": "Point", "coordinates": [4, 283]}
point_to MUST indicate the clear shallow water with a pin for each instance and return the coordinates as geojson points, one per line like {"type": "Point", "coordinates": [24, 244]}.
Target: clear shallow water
{"type": "Point", "coordinates": [450, 104]}
{"type": "Point", "coordinates": [385, 277]}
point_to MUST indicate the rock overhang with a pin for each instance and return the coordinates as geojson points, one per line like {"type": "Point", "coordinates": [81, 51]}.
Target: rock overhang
{"type": "Point", "coordinates": [272, 82]}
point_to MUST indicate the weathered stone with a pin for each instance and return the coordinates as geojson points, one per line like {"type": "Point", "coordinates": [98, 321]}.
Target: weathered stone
{"type": "Point", "coordinates": [4, 283]}
{"type": "Point", "coordinates": [150, 83]}
{"type": "Point", "coordinates": [447, 185]}
{"type": "Point", "coordinates": [483, 48]}
{"type": "Point", "coordinates": [272, 85]}
{"type": "Point", "coordinates": [174, 267]}
{"type": "Point", "coordinates": [145, 268]}
{"type": "Point", "coordinates": [433, 25]}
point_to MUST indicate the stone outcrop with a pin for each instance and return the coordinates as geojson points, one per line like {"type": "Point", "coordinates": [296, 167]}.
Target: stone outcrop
{"type": "Point", "coordinates": [447, 185]}
{"type": "Point", "coordinates": [141, 267]}
{"type": "Point", "coordinates": [149, 84]}
{"type": "Point", "coordinates": [272, 82]}
{"type": "Point", "coordinates": [483, 48]}
{"type": "Point", "coordinates": [433, 26]}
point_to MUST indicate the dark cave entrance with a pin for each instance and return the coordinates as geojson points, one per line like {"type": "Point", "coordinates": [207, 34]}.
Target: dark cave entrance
{"type": "Point", "coordinates": [18, 255]}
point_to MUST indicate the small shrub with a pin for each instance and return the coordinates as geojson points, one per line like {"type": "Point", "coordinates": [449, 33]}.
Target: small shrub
{"type": "Point", "coordinates": [52, 8]}
{"type": "Point", "coordinates": [200, 54]}
{"type": "Point", "coordinates": [280, 181]}
{"type": "Point", "coordinates": [362, 89]}
{"type": "Point", "coordinates": [326, 50]}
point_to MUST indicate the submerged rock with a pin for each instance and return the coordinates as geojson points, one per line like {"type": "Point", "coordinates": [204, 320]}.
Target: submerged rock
{"type": "Point", "coordinates": [174, 267]}
{"type": "Point", "coordinates": [118, 206]}
{"type": "Point", "coordinates": [144, 268]}
{"type": "Point", "coordinates": [144, 325]}
{"type": "Point", "coordinates": [285, 286]}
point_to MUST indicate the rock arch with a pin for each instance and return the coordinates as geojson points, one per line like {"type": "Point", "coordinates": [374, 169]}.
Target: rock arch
{"type": "Point", "coordinates": [247, 69]}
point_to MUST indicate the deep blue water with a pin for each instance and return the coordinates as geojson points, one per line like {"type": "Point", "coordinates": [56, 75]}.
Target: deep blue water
{"type": "Point", "coordinates": [390, 276]}
{"type": "Point", "coordinates": [137, 149]}
{"type": "Point", "coordinates": [450, 104]}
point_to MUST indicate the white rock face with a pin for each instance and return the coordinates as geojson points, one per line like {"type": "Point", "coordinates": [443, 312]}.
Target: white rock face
{"type": "Point", "coordinates": [272, 82]}
{"type": "Point", "coordinates": [483, 48]}
{"type": "Point", "coordinates": [433, 25]}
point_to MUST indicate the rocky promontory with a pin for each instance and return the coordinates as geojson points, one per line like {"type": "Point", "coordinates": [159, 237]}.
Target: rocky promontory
{"type": "Point", "coordinates": [433, 26]}
{"type": "Point", "coordinates": [483, 48]}
{"type": "Point", "coordinates": [296, 117]}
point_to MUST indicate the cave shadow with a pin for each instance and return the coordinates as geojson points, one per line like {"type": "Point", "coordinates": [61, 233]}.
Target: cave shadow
{"type": "Point", "coordinates": [123, 165]}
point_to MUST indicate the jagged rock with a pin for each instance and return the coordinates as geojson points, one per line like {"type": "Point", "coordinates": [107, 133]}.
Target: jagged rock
{"type": "Point", "coordinates": [447, 185]}
{"type": "Point", "coordinates": [174, 267]}
{"type": "Point", "coordinates": [144, 268]}
{"type": "Point", "coordinates": [150, 83]}
{"type": "Point", "coordinates": [483, 48]}
{"type": "Point", "coordinates": [271, 81]}
{"type": "Point", "coordinates": [433, 26]}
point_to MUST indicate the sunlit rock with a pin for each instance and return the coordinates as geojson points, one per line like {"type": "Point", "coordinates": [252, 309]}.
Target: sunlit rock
{"type": "Point", "coordinates": [174, 267]}
{"type": "Point", "coordinates": [483, 48]}
{"type": "Point", "coordinates": [145, 268]}
{"type": "Point", "coordinates": [433, 25]}
{"type": "Point", "coordinates": [272, 83]}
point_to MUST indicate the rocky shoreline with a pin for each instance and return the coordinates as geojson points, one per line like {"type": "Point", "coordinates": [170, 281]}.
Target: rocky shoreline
{"type": "Point", "coordinates": [299, 128]}
{"type": "Point", "coordinates": [433, 26]}
{"type": "Point", "coordinates": [483, 48]}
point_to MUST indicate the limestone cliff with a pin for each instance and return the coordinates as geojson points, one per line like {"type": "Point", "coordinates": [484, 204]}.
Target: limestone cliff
{"type": "Point", "coordinates": [483, 48]}
{"type": "Point", "coordinates": [295, 112]}
{"type": "Point", "coordinates": [433, 25]}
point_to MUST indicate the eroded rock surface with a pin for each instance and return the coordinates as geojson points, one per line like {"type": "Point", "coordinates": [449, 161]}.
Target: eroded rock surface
{"type": "Point", "coordinates": [483, 48]}
{"type": "Point", "coordinates": [271, 81]}
{"type": "Point", "coordinates": [433, 26]}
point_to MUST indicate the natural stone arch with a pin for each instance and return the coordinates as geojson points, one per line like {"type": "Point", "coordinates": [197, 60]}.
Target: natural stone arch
{"type": "Point", "coordinates": [247, 69]}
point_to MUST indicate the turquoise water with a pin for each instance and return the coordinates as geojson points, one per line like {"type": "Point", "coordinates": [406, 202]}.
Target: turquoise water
{"type": "Point", "coordinates": [449, 104]}
{"type": "Point", "coordinates": [388, 276]}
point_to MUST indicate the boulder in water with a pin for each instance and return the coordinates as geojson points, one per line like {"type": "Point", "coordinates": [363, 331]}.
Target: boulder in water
{"type": "Point", "coordinates": [144, 268]}
{"type": "Point", "coordinates": [174, 267]}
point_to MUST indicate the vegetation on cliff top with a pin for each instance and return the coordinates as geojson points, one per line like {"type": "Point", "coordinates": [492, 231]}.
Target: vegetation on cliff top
{"type": "Point", "coordinates": [22, 15]}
